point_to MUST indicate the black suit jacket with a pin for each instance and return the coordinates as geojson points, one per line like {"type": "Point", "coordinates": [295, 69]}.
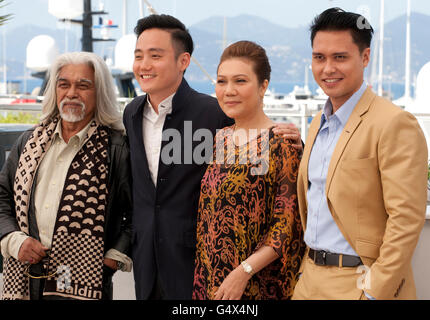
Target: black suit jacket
{"type": "Point", "coordinates": [164, 217]}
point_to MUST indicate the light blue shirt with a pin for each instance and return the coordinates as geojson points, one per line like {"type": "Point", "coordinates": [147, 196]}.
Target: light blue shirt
{"type": "Point", "coordinates": [322, 232]}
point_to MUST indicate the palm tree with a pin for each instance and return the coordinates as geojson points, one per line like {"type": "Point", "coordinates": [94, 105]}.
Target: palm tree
{"type": "Point", "coordinates": [3, 19]}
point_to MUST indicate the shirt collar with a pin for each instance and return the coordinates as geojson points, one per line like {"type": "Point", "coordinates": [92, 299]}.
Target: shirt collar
{"type": "Point", "coordinates": [81, 135]}
{"type": "Point", "coordinates": [343, 113]}
{"type": "Point", "coordinates": [165, 106]}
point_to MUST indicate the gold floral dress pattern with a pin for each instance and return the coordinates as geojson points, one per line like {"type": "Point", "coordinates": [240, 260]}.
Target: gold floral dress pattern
{"type": "Point", "coordinates": [248, 199]}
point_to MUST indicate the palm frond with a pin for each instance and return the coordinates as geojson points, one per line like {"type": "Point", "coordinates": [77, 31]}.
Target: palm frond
{"type": "Point", "coordinates": [6, 17]}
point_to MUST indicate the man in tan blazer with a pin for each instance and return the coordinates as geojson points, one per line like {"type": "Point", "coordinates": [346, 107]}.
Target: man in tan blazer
{"type": "Point", "coordinates": [363, 176]}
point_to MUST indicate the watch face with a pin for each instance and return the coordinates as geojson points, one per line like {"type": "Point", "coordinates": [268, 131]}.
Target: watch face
{"type": "Point", "coordinates": [247, 268]}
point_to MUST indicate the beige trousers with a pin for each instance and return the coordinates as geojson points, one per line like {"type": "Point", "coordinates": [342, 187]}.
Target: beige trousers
{"type": "Point", "coordinates": [329, 283]}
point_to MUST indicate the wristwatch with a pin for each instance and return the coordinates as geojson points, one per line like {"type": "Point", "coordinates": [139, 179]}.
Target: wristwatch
{"type": "Point", "coordinates": [120, 265]}
{"type": "Point", "coordinates": [247, 268]}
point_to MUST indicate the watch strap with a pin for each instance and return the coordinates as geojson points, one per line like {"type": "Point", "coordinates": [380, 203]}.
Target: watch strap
{"type": "Point", "coordinates": [247, 268]}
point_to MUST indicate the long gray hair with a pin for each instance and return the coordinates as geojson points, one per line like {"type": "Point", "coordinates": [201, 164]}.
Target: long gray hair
{"type": "Point", "coordinates": [107, 110]}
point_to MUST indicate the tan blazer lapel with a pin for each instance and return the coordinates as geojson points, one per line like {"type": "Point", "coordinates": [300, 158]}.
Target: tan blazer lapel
{"type": "Point", "coordinates": [350, 127]}
{"type": "Point", "coordinates": [310, 140]}
{"type": "Point", "coordinates": [303, 170]}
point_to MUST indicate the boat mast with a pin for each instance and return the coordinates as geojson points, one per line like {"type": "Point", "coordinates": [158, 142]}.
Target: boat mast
{"type": "Point", "coordinates": [224, 34]}
{"type": "Point", "coordinates": [4, 60]}
{"type": "Point", "coordinates": [408, 53]}
{"type": "Point", "coordinates": [87, 26]}
{"type": "Point", "coordinates": [141, 8]}
{"type": "Point", "coordinates": [306, 87]}
{"type": "Point", "coordinates": [124, 17]}
{"type": "Point", "coordinates": [381, 48]}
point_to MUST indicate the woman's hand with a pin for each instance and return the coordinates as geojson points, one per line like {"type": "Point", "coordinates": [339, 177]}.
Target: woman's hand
{"type": "Point", "coordinates": [233, 286]}
{"type": "Point", "coordinates": [290, 131]}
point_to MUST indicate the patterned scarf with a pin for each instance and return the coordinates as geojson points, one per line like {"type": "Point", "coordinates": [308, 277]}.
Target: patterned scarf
{"type": "Point", "coordinates": [77, 244]}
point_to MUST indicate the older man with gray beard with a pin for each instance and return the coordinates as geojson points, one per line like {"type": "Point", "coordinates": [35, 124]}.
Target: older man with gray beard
{"type": "Point", "coordinates": [71, 115]}
{"type": "Point", "coordinates": [65, 197]}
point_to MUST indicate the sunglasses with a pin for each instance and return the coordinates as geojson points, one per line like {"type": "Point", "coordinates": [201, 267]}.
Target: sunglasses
{"type": "Point", "coordinates": [45, 262]}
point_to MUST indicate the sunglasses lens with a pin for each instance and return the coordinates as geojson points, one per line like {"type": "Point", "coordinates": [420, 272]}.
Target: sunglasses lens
{"type": "Point", "coordinates": [39, 270]}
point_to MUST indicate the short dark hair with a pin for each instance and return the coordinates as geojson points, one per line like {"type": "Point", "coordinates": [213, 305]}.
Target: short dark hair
{"type": "Point", "coordinates": [253, 52]}
{"type": "Point", "coordinates": [181, 38]}
{"type": "Point", "coordinates": [336, 19]}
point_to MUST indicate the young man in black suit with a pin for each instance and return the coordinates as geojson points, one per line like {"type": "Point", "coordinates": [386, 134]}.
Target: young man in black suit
{"type": "Point", "coordinates": [161, 127]}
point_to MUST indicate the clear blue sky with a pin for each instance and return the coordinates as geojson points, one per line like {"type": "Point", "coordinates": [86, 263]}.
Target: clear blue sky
{"type": "Point", "coordinates": [289, 13]}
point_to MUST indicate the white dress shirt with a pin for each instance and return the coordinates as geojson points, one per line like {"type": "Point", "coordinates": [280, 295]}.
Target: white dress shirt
{"type": "Point", "coordinates": [153, 132]}
{"type": "Point", "coordinates": [322, 232]}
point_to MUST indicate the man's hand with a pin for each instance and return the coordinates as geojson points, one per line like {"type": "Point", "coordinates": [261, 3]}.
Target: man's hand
{"type": "Point", "coordinates": [110, 263]}
{"type": "Point", "coordinates": [233, 286]}
{"type": "Point", "coordinates": [31, 251]}
{"type": "Point", "coordinates": [290, 131]}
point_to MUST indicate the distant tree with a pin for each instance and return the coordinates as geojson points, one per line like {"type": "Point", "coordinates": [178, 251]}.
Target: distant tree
{"type": "Point", "coordinates": [4, 18]}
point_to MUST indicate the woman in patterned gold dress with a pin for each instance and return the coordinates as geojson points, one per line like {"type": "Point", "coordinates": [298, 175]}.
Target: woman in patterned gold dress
{"type": "Point", "coordinates": [249, 234]}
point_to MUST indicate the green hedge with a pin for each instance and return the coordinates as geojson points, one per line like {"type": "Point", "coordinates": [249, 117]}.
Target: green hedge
{"type": "Point", "coordinates": [20, 117]}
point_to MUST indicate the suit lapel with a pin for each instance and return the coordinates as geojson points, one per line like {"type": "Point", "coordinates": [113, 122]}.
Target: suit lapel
{"type": "Point", "coordinates": [350, 127]}
{"type": "Point", "coordinates": [176, 120]}
{"type": "Point", "coordinates": [137, 120]}
{"type": "Point", "coordinates": [303, 170]}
